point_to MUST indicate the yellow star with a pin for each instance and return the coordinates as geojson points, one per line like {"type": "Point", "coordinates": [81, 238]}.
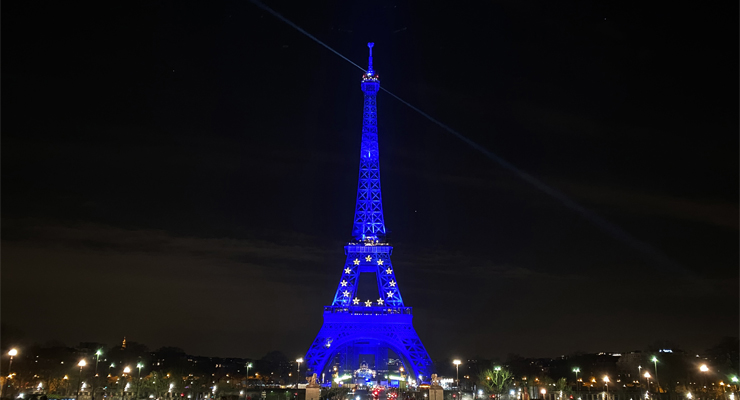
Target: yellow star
{"type": "Point", "coordinates": [390, 294]}
{"type": "Point", "coordinates": [348, 270]}
{"type": "Point", "coordinates": [380, 302]}
{"type": "Point", "coordinates": [345, 293]}
{"type": "Point", "coordinates": [356, 301]}
{"type": "Point", "coordinates": [368, 258]}
{"type": "Point", "coordinates": [344, 283]}
{"type": "Point", "coordinates": [389, 271]}
{"type": "Point", "coordinates": [356, 261]}
{"type": "Point", "coordinates": [368, 303]}
{"type": "Point", "coordinates": [380, 262]}
{"type": "Point", "coordinates": [393, 283]}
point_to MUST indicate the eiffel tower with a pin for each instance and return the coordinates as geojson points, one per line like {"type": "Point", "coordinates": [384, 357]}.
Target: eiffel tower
{"type": "Point", "coordinates": [361, 332]}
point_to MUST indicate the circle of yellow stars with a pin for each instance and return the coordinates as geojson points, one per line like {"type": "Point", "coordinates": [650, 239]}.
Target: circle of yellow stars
{"type": "Point", "coordinates": [368, 303]}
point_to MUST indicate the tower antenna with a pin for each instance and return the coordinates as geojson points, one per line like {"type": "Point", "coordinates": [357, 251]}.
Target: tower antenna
{"type": "Point", "coordinates": [370, 63]}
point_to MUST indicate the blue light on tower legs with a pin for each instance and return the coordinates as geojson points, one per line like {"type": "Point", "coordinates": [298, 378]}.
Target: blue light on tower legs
{"type": "Point", "coordinates": [354, 326]}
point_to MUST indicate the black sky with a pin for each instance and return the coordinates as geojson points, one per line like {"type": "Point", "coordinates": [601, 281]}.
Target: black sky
{"type": "Point", "coordinates": [183, 173]}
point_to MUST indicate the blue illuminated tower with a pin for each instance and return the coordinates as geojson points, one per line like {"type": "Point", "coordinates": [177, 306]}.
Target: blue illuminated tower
{"type": "Point", "coordinates": [355, 329]}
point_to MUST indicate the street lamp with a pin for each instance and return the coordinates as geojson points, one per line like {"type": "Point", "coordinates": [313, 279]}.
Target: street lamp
{"type": "Point", "coordinates": [577, 370]}
{"type": "Point", "coordinates": [126, 370]}
{"type": "Point", "coordinates": [647, 379]}
{"type": "Point", "coordinates": [606, 383]}
{"type": "Point", "coordinates": [543, 391]}
{"type": "Point", "coordinates": [705, 369]}
{"type": "Point", "coordinates": [655, 363]}
{"type": "Point", "coordinates": [138, 384]}
{"type": "Point", "coordinates": [457, 370]}
{"type": "Point", "coordinates": [97, 359]}
{"type": "Point", "coordinates": [12, 353]}
{"type": "Point", "coordinates": [298, 375]}
{"type": "Point", "coordinates": [249, 365]}
{"type": "Point", "coordinates": [80, 364]}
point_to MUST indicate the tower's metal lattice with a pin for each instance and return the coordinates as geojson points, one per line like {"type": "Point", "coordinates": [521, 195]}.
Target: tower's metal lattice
{"type": "Point", "coordinates": [351, 319]}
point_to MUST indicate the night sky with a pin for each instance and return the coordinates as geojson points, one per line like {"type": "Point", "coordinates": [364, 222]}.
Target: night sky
{"type": "Point", "coordinates": [184, 173]}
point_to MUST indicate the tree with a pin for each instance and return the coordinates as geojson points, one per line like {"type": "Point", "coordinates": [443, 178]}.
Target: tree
{"type": "Point", "coordinates": [496, 380]}
{"type": "Point", "coordinates": [57, 385]}
{"type": "Point", "coordinates": [156, 383]}
{"type": "Point", "coordinates": [562, 388]}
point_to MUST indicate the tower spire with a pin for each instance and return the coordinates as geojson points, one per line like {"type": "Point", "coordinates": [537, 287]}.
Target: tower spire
{"type": "Point", "coordinates": [368, 222]}
{"type": "Point", "coordinates": [370, 62]}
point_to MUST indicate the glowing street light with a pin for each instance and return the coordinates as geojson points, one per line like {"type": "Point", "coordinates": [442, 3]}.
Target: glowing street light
{"type": "Point", "coordinates": [12, 353]}
{"type": "Point", "coordinates": [126, 370]}
{"type": "Point", "coordinates": [298, 375]}
{"type": "Point", "coordinates": [457, 370]}
{"type": "Point", "coordinates": [97, 358]}
{"type": "Point", "coordinates": [647, 379]}
{"type": "Point", "coordinates": [734, 379]}
{"type": "Point", "coordinates": [138, 384]}
{"type": "Point", "coordinates": [655, 363]}
{"type": "Point", "coordinates": [543, 391]}
{"type": "Point", "coordinates": [705, 369]}
{"type": "Point", "coordinates": [80, 364]}
{"type": "Point", "coordinates": [606, 383]}
{"type": "Point", "coordinates": [689, 396]}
